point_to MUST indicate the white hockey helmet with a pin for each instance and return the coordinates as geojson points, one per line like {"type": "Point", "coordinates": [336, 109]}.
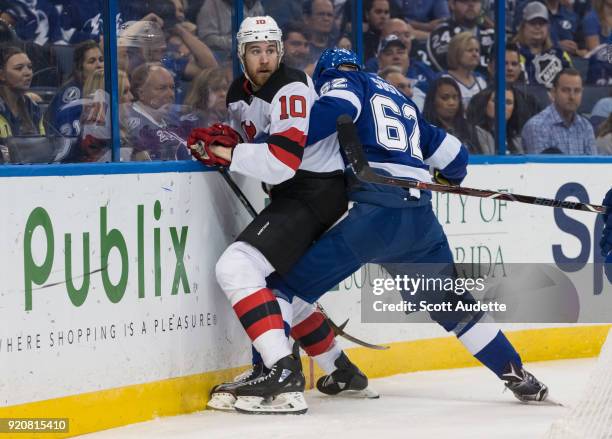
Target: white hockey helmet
{"type": "Point", "coordinates": [255, 29]}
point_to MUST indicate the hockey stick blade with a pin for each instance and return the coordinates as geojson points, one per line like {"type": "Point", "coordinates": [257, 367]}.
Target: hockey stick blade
{"type": "Point", "coordinates": [339, 330]}
{"type": "Point", "coordinates": [353, 150]}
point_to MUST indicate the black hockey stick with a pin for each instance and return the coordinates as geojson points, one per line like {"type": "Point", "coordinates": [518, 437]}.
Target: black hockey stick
{"type": "Point", "coordinates": [231, 183]}
{"type": "Point", "coordinates": [351, 145]}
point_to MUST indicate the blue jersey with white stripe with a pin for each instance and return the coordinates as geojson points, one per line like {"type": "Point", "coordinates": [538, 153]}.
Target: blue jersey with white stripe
{"type": "Point", "coordinates": [396, 138]}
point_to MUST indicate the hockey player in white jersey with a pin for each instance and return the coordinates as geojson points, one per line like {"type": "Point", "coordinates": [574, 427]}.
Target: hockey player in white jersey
{"type": "Point", "coordinates": [269, 109]}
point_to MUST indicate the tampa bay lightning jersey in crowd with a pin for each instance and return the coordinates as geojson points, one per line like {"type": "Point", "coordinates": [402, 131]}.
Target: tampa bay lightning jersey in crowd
{"type": "Point", "coordinates": [64, 111]}
{"type": "Point", "coordinates": [396, 139]}
{"type": "Point", "coordinates": [35, 20]}
{"type": "Point", "coordinates": [160, 132]}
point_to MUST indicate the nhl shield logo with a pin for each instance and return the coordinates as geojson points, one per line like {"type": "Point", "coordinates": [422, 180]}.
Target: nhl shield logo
{"type": "Point", "coordinates": [249, 129]}
{"type": "Point", "coordinates": [546, 68]}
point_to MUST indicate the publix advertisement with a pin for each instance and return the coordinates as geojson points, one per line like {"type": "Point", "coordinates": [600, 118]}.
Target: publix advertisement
{"type": "Point", "coordinates": [108, 280]}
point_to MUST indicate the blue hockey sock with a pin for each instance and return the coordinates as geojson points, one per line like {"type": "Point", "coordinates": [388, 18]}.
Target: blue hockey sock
{"type": "Point", "coordinates": [498, 353]}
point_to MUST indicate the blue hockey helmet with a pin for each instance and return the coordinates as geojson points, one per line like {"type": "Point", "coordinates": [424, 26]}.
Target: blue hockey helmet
{"type": "Point", "coordinates": [334, 57]}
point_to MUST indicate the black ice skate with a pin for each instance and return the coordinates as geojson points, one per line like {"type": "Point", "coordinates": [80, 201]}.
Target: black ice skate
{"type": "Point", "coordinates": [346, 380]}
{"type": "Point", "coordinates": [222, 396]}
{"type": "Point", "coordinates": [280, 391]}
{"type": "Point", "coordinates": [524, 385]}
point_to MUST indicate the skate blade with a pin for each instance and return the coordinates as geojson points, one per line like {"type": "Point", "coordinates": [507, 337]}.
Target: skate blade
{"type": "Point", "coordinates": [290, 403]}
{"type": "Point", "coordinates": [547, 402]}
{"type": "Point", "coordinates": [366, 393]}
{"type": "Point", "coordinates": [221, 401]}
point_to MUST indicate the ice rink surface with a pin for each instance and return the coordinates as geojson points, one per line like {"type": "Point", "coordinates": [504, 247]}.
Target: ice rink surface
{"type": "Point", "coordinates": [459, 403]}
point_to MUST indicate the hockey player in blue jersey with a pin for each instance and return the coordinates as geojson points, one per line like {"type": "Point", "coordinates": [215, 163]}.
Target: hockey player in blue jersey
{"type": "Point", "coordinates": [388, 225]}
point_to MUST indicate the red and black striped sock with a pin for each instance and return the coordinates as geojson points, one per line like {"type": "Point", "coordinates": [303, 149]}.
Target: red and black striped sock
{"type": "Point", "coordinates": [314, 334]}
{"type": "Point", "coordinates": [259, 313]}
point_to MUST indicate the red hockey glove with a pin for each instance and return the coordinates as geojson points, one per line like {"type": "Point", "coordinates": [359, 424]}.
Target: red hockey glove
{"type": "Point", "coordinates": [220, 129]}
{"type": "Point", "coordinates": [201, 139]}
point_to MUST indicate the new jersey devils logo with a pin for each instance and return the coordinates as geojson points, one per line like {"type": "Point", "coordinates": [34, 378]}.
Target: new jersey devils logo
{"type": "Point", "coordinates": [249, 129]}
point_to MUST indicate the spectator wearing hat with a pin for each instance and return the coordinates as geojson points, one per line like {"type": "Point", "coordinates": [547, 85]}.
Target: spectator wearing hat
{"type": "Point", "coordinates": [393, 52]}
{"type": "Point", "coordinates": [559, 128]}
{"type": "Point", "coordinates": [541, 60]}
{"type": "Point", "coordinates": [563, 24]}
{"type": "Point", "coordinates": [393, 26]}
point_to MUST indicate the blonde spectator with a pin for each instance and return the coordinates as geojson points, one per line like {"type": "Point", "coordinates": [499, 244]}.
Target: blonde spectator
{"type": "Point", "coordinates": [95, 138]}
{"type": "Point", "coordinates": [463, 58]}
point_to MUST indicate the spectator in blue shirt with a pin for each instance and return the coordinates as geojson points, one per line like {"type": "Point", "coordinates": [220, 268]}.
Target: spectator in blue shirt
{"type": "Point", "coordinates": [559, 129]}
{"type": "Point", "coordinates": [597, 24]}
{"type": "Point", "coordinates": [424, 15]}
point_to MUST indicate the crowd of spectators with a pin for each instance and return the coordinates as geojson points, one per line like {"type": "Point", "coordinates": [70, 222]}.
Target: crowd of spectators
{"type": "Point", "coordinates": [175, 61]}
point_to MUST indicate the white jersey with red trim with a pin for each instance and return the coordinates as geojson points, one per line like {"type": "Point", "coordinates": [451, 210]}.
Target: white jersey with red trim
{"type": "Point", "coordinates": [273, 121]}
